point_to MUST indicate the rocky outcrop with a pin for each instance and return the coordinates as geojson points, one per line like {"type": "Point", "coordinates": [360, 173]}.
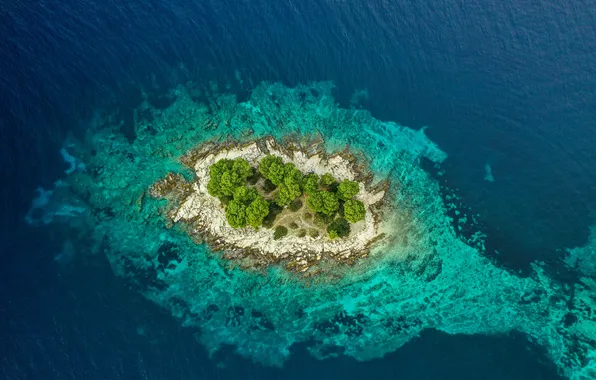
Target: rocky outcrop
{"type": "Point", "coordinates": [204, 216]}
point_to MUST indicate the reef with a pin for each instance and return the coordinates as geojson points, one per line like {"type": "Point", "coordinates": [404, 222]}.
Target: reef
{"type": "Point", "coordinates": [425, 275]}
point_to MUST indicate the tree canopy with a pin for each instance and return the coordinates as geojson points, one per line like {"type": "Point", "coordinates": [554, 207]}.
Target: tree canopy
{"type": "Point", "coordinates": [226, 175]}
{"type": "Point", "coordinates": [291, 187]}
{"type": "Point", "coordinates": [347, 189]}
{"type": "Point", "coordinates": [287, 194]}
{"type": "Point", "coordinates": [292, 175]}
{"type": "Point", "coordinates": [272, 168]}
{"type": "Point", "coordinates": [236, 214]}
{"type": "Point", "coordinates": [245, 205]}
{"type": "Point", "coordinates": [245, 194]}
{"type": "Point", "coordinates": [338, 228]}
{"type": "Point", "coordinates": [310, 183]}
{"type": "Point", "coordinates": [323, 201]}
{"type": "Point", "coordinates": [354, 210]}
{"type": "Point", "coordinates": [327, 180]}
{"type": "Point", "coordinates": [256, 211]}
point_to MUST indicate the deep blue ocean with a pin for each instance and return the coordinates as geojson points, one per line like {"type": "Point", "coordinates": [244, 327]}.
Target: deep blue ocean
{"type": "Point", "coordinates": [507, 83]}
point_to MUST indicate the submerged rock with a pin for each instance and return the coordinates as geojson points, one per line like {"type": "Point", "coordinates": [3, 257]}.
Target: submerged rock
{"type": "Point", "coordinates": [422, 276]}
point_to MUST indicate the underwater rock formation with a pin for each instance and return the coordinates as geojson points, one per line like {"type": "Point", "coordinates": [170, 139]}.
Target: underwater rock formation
{"type": "Point", "coordinates": [427, 276]}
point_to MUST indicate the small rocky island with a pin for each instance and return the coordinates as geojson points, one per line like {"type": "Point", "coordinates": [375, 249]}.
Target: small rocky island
{"type": "Point", "coordinates": [262, 203]}
{"type": "Point", "coordinates": [429, 264]}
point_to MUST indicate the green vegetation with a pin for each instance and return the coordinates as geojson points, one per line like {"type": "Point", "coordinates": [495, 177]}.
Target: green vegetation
{"type": "Point", "coordinates": [327, 180]}
{"type": "Point", "coordinates": [290, 188]}
{"type": "Point", "coordinates": [295, 206]}
{"type": "Point", "coordinates": [227, 175]}
{"type": "Point", "coordinates": [292, 175]}
{"type": "Point", "coordinates": [338, 228]}
{"type": "Point", "coordinates": [236, 214]}
{"type": "Point", "coordinates": [287, 194]}
{"type": "Point", "coordinates": [272, 168]}
{"type": "Point", "coordinates": [310, 183]}
{"type": "Point", "coordinates": [347, 189]}
{"type": "Point", "coordinates": [245, 194]}
{"type": "Point", "coordinates": [323, 201]}
{"type": "Point", "coordinates": [280, 231]}
{"type": "Point", "coordinates": [255, 197]}
{"type": "Point", "coordinates": [256, 211]}
{"type": "Point", "coordinates": [354, 210]}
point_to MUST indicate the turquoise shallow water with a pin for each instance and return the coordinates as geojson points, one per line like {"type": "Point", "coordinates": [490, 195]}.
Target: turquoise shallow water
{"type": "Point", "coordinates": [431, 275]}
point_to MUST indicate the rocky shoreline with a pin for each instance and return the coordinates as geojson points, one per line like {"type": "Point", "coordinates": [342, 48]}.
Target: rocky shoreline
{"type": "Point", "coordinates": [203, 216]}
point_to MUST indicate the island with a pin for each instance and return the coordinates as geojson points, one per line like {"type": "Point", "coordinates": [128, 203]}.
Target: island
{"type": "Point", "coordinates": [262, 202]}
{"type": "Point", "coordinates": [157, 198]}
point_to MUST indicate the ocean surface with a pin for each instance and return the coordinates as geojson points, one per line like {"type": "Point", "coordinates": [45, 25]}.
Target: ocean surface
{"type": "Point", "coordinates": [509, 86]}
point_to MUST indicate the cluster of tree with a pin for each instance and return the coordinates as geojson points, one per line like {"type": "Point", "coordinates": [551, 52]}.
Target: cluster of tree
{"type": "Point", "coordinates": [244, 205]}
{"type": "Point", "coordinates": [286, 177]}
{"type": "Point", "coordinates": [338, 228]}
{"type": "Point", "coordinates": [227, 176]}
{"type": "Point", "coordinates": [328, 197]}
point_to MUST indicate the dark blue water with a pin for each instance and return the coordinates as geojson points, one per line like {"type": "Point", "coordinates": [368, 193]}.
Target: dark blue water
{"type": "Point", "coordinates": [511, 84]}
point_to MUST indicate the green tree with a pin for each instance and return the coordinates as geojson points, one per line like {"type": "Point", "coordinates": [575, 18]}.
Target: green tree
{"type": "Point", "coordinates": [290, 188]}
{"type": "Point", "coordinates": [280, 231]}
{"type": "Point", "coordinates": [323, 201]}
{"type": "Point", "coordinates": [276, 174]}
{"type": "Point", "coordinates": [256, 211]}
{"type": "Point", "coordinates": [338, 228]}
{"type": "Point", "coordinates": [354, 210]}
{"type": "Point", "coordinates": [292, 175]}
{"type": "Point", "coordinates": [330, 203]}
{"type": "Point", "coordinates": [315, 201]}
{"type": "Point", "coordinates": [272, 168]}
{"type": "Point", "coordinates": [229, 181]}
{"type": "Point", "coordinates": [327, 180]}
{"type": "Point", "coordinates": [215, 172]}
{"type": "Point", "coordinates": [347, 189]}
{"type": "Point", "coordinates": [226, 175]}
{"type": "Point", "coordinates": [287, 194]}
{"type": "Point", "coordinates": [245, 194]}
{"type": "Point", "coordinates": [213, 187]}
{"type": "Point", "coordinates": [242, 168]}
{"type": "Point", "coordinates": [266, 163]}
{"type": "Point", "coordinates": [236, 214]}
{"type": "Point", "coordinates": [310, 183]}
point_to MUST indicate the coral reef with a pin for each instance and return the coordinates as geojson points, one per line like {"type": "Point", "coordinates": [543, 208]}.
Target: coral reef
{"type": "Point", "coordinates": [427, 275]}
